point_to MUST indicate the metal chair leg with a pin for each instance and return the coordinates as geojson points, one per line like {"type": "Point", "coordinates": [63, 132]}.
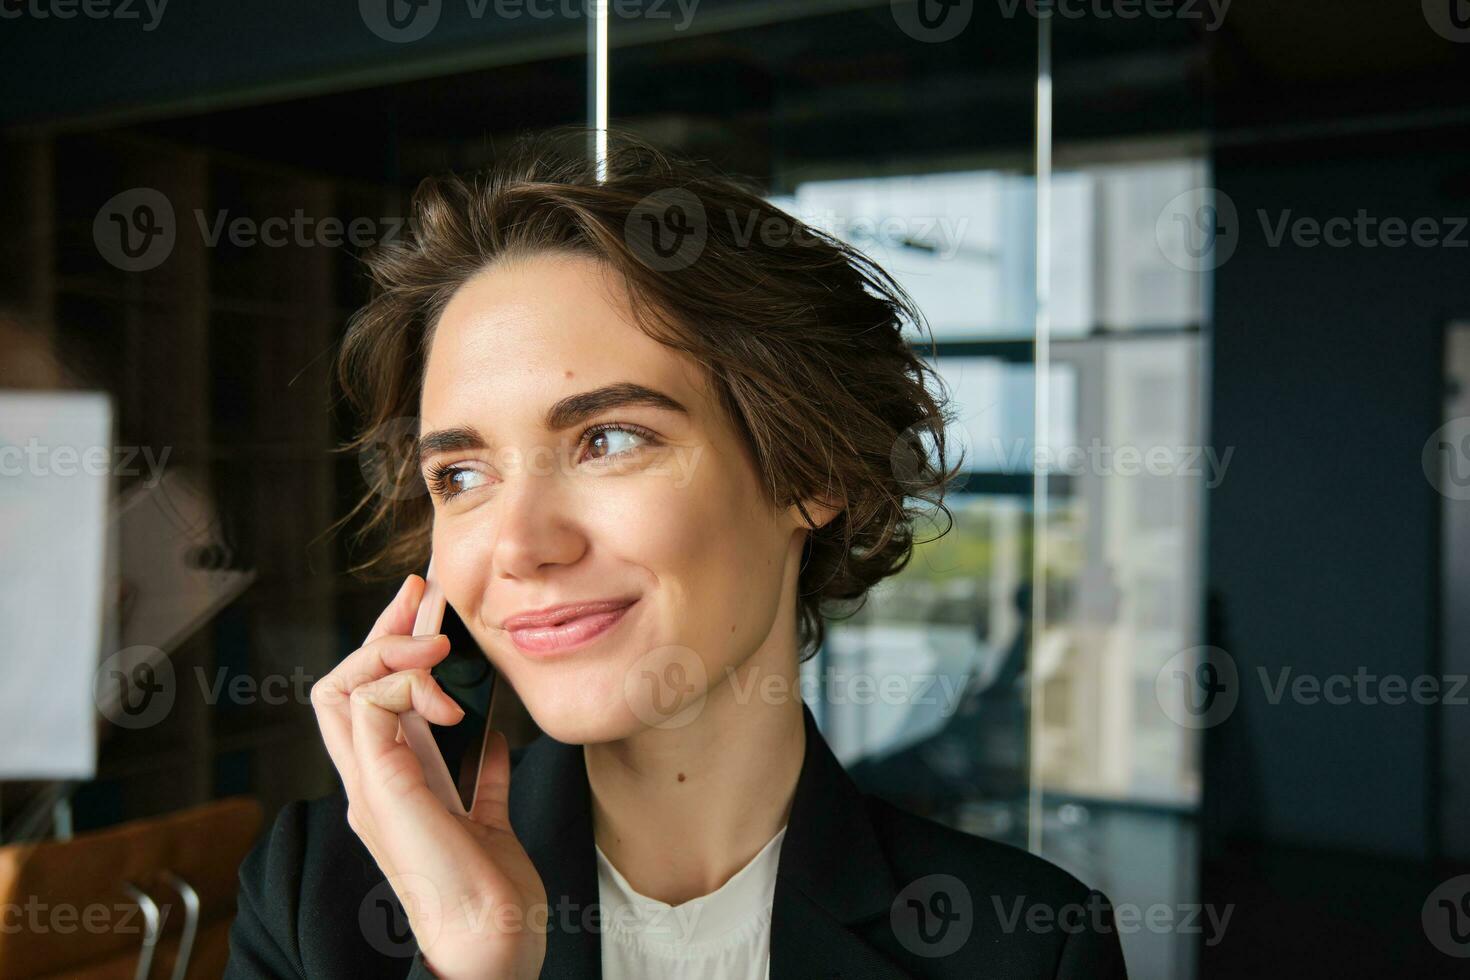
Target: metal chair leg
{"type": "Point", "coordinates": [191, 922]}
{"type": "Point", "coordinates": [152, 926]}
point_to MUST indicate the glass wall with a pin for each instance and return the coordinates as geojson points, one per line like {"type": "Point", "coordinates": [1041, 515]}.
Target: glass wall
{"type": "Point", "coordinates": [911, 138]}
{"type": "Point", "coordinates": [1054, 724]}
{"type": "Point", "coordinates": [1117, 750]}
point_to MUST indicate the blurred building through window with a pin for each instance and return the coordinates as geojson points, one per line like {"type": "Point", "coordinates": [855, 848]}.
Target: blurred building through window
{"type": "Point", "coordinates": [1126, 468]}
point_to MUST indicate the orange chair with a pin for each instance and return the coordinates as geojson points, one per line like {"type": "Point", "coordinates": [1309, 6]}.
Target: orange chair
{"type": "Point", "coordinates": [147, 898]}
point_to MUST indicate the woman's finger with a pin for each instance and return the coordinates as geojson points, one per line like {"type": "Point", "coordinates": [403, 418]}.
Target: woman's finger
{"type": "Point", "coordinates": [376, 660]}
{"type": "Point", "coordinates": [398, 615]}
{"type": "Point", "coordinates": [382, 657]}
{"type": "Point", "coordinates": [413, 690]}
{"type": "Point", "coordinates": [390, 780]}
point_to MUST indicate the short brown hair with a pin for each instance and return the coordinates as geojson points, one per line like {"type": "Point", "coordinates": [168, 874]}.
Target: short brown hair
{"type": "Point", "coordinates": [798, 333]}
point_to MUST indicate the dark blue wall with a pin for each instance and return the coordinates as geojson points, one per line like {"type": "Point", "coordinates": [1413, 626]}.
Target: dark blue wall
{"type": "Point", "coordinates": [1323, 537]}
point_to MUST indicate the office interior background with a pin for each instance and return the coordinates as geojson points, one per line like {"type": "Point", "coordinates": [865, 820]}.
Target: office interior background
{"type": "Point", "coordinates": [1198, 275]}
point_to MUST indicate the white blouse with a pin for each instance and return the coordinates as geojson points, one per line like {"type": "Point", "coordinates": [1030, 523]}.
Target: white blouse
{"type": "Point", "coordinates": [725, 935]}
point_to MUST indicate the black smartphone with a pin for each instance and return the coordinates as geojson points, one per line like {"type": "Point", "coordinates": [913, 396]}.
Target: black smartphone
{"type": "Point", "coordinates": [468, 677]}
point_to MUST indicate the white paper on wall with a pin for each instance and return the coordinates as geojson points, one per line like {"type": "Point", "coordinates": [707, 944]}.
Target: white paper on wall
{"type": "Point", "coordinates": [55, 472]}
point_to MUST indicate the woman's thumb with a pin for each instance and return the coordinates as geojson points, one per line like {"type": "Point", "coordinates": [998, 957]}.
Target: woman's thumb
{"type": "Point", "coordinates": [492, 791]}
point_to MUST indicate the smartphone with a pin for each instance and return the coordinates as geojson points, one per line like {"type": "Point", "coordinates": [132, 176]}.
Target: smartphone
{"type": "Point", "coordinates": [468, 677]}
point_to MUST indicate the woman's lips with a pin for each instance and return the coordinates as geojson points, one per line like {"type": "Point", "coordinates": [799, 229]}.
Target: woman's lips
{"type": "Point", "coordinates": [567, 635]}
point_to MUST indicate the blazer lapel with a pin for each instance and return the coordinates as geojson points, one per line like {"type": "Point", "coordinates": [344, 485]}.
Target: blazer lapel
{"type": "Point", "coordinates": [808, 943]}
{"type": "Point", "coordinates": [831, 873]}
{"type": "Point", "coordinates": [831, 876]}
{"type": "Point", "coordinates": [551, 810]}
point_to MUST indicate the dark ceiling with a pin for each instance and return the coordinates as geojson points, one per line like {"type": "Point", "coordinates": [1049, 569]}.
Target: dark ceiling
{"type": "Point", "coordinates": [786, 86]}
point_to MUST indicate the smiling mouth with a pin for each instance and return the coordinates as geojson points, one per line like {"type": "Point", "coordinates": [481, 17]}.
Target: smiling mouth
{"type": "Point", "coordinates": [567, 632]}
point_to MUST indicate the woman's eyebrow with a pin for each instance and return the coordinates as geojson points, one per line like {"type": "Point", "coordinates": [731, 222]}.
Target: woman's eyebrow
{"type": "Point", "coordinates": [566, 413]}
{"type": "Point", "coordinates": [577, 408]}
{"type": "Point", "coordinates": [455, 440]}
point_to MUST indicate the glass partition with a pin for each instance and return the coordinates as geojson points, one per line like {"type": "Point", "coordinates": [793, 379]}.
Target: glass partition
{"type": "Point", "coordinates": [909, 133]}
{"type": "Point", "coordinates": [1117, 751]}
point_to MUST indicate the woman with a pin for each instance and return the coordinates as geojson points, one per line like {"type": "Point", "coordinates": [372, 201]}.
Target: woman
{"type": "Point", "coordinates": [664, 429]}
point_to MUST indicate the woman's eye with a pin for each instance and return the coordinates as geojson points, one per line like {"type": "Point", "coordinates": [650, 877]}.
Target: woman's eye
{"type": "Point", "coordinates": [462, 480]}
{"type": "Point", "coordinates": [605, 446]}
{"type": "Point", "coordinates": [614, 441]}
{"type": "Point", "coordinates": [451, 481]}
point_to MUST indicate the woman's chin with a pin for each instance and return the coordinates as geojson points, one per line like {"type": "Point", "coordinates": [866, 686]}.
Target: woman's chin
{"type": "Point", "coordinates": [577, 723]}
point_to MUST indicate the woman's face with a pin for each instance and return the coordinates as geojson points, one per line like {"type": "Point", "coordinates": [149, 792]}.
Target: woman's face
{"type": "Point", "coordinates": [659, 504]}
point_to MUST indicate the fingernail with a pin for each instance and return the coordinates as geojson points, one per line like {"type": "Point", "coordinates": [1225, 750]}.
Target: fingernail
{"type": "Point", "coordinates": [429, 639]}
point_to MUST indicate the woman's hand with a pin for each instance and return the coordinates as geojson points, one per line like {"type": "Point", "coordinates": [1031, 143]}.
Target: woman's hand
{"type": "Point", "coordinates": [472, 896]}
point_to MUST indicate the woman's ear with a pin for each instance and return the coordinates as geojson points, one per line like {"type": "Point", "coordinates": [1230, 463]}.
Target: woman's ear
{"type": "Point", "coordinates": [821, 509]}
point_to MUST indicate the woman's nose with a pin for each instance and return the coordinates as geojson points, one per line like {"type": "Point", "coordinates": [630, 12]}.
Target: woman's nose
{"type": "Point", "coordinates": [535, 527]}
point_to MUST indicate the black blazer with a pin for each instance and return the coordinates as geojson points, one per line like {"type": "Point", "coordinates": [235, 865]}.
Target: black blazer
{"type": "Point", "coordinates": [864, 890]}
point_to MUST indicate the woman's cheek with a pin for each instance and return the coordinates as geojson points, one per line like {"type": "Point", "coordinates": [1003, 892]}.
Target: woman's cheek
{"type": "Point", "coordinates": [462, 559]}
